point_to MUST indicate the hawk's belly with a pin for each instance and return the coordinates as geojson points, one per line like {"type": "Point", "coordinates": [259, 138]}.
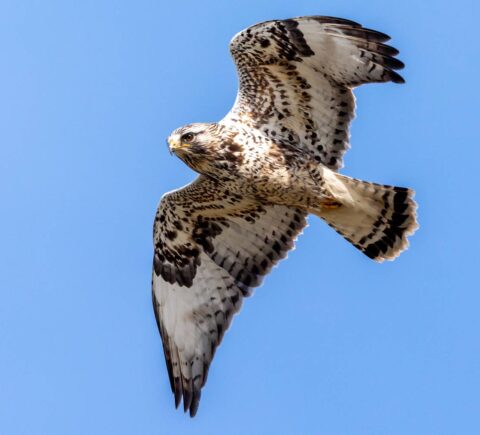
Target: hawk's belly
{"type": "Point", "coordinates": [301, 185]}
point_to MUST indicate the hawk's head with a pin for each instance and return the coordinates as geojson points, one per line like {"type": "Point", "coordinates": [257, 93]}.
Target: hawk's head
{"type": "Point", "coordinates": [206, 148]}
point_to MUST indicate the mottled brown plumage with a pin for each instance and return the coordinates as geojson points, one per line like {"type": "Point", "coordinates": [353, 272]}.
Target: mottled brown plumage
{"type": "Point", "coordinates": [268, 164]}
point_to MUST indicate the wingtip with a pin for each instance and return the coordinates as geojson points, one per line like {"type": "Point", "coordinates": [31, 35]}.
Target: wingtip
{"type": "Point", "coordinates": [191, 400]}
{"type": "Point", "coordinates": [195, 403]}
{"type": "Point", "coordinates": [396, 78]}
{"type": "Point", "coordinates": [393, 63]}
{"type": "Point", "coordinates": [324, 19]}
{"type": "Point", "coordinates": [377, 36]}
{"type": "Point", "coordinates": [177, 401]}
{"type": "Point", "coordinates": [187, 399]}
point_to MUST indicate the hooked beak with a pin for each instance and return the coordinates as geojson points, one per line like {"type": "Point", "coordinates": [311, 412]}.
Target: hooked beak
{"type": "Point", "coordinates": [174, 144]}
{"type": "Point", "coordinates": [169, 148]}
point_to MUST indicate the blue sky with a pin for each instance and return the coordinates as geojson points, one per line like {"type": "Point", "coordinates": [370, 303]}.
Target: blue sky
{"type": "Point", "coordinates": [332, 343]}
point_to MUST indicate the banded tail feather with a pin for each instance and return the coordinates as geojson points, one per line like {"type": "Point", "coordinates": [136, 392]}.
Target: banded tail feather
{"type": "Point", "coordinates": [375, 218]}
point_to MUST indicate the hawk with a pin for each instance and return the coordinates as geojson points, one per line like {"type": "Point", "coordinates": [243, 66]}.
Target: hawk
{"type": "Point", "coordinates": [263, 168]}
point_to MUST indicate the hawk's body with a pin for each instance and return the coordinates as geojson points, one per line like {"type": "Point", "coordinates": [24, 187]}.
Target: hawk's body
{"type": "Point", "coordinates": [268, 164]}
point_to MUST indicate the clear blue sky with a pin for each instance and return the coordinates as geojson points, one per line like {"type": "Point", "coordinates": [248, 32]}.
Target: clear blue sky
{"type": "Point", "coordinates": [332, 343]}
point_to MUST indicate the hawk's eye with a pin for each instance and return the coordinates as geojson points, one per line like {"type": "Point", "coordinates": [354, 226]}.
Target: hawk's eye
{"type": "Point", "coordinates": [187, 137]}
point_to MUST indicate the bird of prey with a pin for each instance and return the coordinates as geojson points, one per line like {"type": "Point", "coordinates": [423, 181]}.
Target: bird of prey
{"type": "Point", "coordinates": [262, 169]}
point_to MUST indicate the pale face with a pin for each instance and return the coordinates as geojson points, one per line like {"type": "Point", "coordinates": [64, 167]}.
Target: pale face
{"type": "Point", "coordinates": [195, 144]}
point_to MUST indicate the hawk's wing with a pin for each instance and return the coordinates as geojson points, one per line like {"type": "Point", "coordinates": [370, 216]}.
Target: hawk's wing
{"type": "Point", "coordinates": [296, 78]}
{"type": "Point", "coordinates": [211, 247]}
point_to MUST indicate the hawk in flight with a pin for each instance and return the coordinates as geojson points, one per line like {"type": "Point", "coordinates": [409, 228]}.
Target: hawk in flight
{"type": "Point", "coordinates": [269, 163]}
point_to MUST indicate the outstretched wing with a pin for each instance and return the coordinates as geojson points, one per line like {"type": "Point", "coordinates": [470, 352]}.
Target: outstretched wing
{"type": "Point", "coordinates": [212, 246]}
{"type": "Point", "coordinates": [296, 78]}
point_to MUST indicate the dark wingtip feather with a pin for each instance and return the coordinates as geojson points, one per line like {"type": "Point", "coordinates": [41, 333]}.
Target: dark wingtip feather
{"type": "Point", "coordinates": [376, 36]}
{"type": "Point", "coordinates": [187, 399]}
{"type": "Point", "coordinates": [386, 50]}
{"type": "Point", "coordinates": [195, 402]}
{"type": "Point", "coordinates": [178, 397]}
{"type": "Point", "coordinates": [332, 20]}
{"type": "Point", "coordinates": [393, 63]}
{"type": "Point", "coordinates": [362, 32]}
{"type": "Point", "coordinates": [395, 77]}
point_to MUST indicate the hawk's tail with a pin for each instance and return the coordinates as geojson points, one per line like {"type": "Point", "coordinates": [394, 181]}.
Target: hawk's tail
{"type": "Point", "coordinates": [375, 218]}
